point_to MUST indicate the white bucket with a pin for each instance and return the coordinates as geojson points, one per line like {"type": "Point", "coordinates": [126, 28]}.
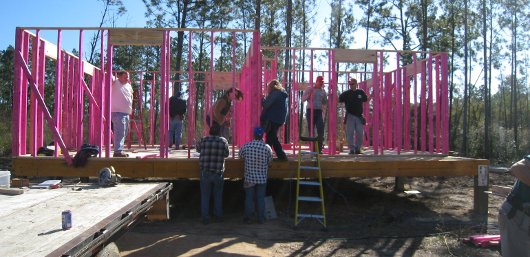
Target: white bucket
{"type": "Point", "coordinates": [5, 178]}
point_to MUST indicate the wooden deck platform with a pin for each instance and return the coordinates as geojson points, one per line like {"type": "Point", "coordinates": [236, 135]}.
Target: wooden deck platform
{"type": "Point", "coordinates": [178, 166]}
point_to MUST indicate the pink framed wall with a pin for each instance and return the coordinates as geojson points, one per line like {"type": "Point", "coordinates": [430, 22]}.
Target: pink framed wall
{"type": "Point", "coordinates": [73, 125]}
{"type": "Point", "coordinates": [408, 111]}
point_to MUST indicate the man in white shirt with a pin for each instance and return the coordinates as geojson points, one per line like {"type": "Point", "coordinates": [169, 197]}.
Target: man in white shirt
{"type": "Point", "coordinates": [121, 108]}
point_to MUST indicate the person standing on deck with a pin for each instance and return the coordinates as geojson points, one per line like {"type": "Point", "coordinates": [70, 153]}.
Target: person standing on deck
{"type": "Point", "coordinates": [213, 150]}
{"type": "Point", "coordinates": [122, 99]}
{"type": "Point", "coordinates": [177, 109]}
{"type": "Point", "coordinates": [316, 102]}
{"type": "Point", "coordinates": [355, 121]}
{"type": "Point", "coordinates": [221, 111]}
{"type": "Point", "coordinates": [273, 116]}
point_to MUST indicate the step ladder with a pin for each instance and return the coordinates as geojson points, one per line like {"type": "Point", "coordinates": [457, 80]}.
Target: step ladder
{"type": "Point", "coordinates": [309, 166]}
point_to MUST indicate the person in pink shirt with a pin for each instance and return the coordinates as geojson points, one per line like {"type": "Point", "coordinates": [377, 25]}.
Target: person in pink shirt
{"type": "Point", "coordinates": [121, 108]}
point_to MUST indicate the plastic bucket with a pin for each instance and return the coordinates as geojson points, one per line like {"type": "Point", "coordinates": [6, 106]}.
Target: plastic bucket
{"type": "Point", "coordinates": [5, 178]}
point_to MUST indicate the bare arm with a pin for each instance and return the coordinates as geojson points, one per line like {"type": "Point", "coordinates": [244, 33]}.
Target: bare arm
{"type": "Point", "coordinates": [521, 170]}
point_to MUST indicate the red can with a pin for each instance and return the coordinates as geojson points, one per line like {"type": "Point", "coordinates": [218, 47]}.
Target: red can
{"type": "Point", "coordinates": [67, 219]}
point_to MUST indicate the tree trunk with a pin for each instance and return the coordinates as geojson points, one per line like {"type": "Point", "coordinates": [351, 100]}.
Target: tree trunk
{"type": "Point", "coordinates": [466, 87]}
{"type": "Point", "coordinates": [180, 44]}
{"type": "Point", "coordinates": [515, 114]}
{"type": "Point", "coordinates": [287, 61]}
{"type": "Point", "coordinates": [486, 102]}
{"type": "Point", "coordinates": [488, 110]}
{"type": "Point", "coordinates": [424, 25]}
{"type": "Point", "coordinates": [198, 92]}
{"type": "Point", "coordinates": [257, 20]}
{"type": "Point", "coordinates": [451, 89]}
{"type": "Point", "coordinates": [368, 16]}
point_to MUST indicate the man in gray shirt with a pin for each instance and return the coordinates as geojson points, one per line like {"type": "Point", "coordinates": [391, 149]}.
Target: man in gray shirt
{"type": "Point", "coordinates": [316, 102]}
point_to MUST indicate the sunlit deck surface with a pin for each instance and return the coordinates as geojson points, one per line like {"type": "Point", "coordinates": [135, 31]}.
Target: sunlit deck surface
{"type": "Point", "coordinates": [143, 163]}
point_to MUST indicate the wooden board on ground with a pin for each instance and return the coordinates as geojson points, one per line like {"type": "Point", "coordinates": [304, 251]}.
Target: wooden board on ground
{"type": "Point", "coordinates": [11, 191]}
{"type": "Point", "coordinates": [31, 223]}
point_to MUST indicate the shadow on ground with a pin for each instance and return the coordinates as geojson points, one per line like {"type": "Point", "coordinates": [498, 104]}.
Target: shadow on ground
{"type": "Point", "coordinates": [365, 218]}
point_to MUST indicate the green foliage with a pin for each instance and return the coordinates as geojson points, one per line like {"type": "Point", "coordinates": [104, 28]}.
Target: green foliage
{"type": "Point", "coordinates": [6, 78]}
{"type": "Point", "coordinates": [341, 25]}
{"type": "Point", "coordinates": [5, 132]}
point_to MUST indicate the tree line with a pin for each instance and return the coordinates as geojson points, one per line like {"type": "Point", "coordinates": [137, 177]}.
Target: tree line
{"type": "Point", "coordinates": [490, 114]}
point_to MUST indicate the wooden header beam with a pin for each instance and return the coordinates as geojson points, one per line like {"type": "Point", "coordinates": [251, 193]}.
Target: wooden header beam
{"type": "Point", "coordinates": [222, 80]}
{"type": "Point", "coordinates": [137, 37]}
{"type": "Point", "coordinates": [355, 56]}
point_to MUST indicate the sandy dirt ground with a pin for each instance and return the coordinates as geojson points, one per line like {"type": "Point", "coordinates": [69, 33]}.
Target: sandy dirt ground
{"type": "Point", "coordinates": [365, 218]}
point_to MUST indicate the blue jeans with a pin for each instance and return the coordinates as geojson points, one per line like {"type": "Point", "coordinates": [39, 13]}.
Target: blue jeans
{"type": "Point", "coordinates": [211, 182]}
{"type": "Point", "coordinates": [318, 122]}
{"type": "Point", "coordinates": [120, 122]}
{"type": "Point", "coordinates": [354, 126]}
{"type": "Point", "coordinates": [259, 191]}
{"type": "Point", "coordinates": [175, 132]}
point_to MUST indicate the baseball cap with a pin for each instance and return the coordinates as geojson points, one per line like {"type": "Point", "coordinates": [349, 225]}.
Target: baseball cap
{"type": "Point", "coordinates": [258, 131]}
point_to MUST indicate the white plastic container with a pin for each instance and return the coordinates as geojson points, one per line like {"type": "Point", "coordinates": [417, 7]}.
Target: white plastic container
{"type": "Point", "coordinates": [5, 178]}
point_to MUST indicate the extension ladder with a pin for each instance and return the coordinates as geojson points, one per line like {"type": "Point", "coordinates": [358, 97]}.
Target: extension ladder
{"type": "Point", "coordinates": [305, 157]}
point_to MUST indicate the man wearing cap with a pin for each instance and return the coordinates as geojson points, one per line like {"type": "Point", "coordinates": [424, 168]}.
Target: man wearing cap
{"type": "Point", "coordinates": [213, 150]}
{"type": "Point", "coordinates": [354, 99]}
{"type": "Point", "coordinates": [177, 109]}
{"type": "Point", "coordinates": [257, 155]}
{"type": "Point", "coordinates": [316, 101]}
{"type": "Point", "coordinates": [514, 214]}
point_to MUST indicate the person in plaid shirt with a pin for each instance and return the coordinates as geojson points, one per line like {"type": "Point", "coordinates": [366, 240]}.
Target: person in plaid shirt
{"type": "Point", "coordinates": [257, 156]}
{"type": "Point", "coordinates": [213, 150]}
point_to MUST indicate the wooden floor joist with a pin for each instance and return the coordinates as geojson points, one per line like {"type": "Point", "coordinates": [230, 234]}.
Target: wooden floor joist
{"type": "Point", "coordinates": [180, 167]}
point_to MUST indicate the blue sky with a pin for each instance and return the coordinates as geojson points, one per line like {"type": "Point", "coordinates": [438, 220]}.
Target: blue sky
{"type": "Point", "coordinates": [61, 13]}
{"type": "Point", "coordinates": [84, 13]}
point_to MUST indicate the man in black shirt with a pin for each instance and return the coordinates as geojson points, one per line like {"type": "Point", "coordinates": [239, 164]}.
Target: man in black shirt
{"type": "Point", "coordinates": [177, 109]}
{"type": "Point", "coordinates": [354, 99]}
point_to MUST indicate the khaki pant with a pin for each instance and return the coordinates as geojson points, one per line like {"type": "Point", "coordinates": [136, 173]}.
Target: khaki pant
{"type": "Point", "coordinates": [515, 237]}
